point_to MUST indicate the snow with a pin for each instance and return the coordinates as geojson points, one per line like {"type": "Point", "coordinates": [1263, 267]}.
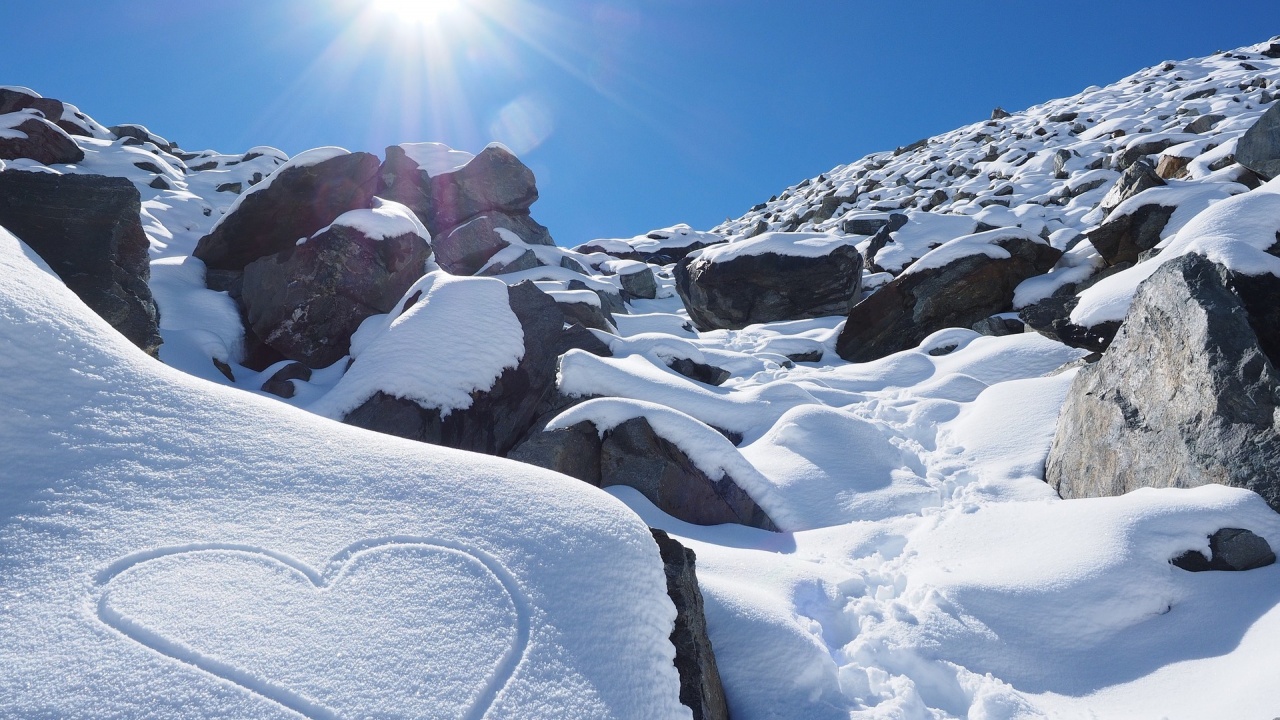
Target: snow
{"type": "Point", "coordinates": [436, 158]}
{"type": "Point", "coordinates": [805, 245]}
{"type": "Point", "coordinates": [385, 220]}
{"type": "Point", "coordinates": [984, 243]}
{"type": "Point", "coordinates": [406, 358]}
{"type": "Point", "coordinates": [220, 554]}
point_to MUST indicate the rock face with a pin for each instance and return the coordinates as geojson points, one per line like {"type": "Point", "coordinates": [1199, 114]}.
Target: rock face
{"type": "Point", "coordinates": [963, 292]}
{"type": "Point", "coordinates": [1186, 395]}
{"type": "Point", "coordinates": [306, 301]}
{"type": "Point", "coordinates": [1229, 549]}
{"type": "Point", "coordinates": [298, 202]}
{"type": "Point", "coordinates": [498, 417]}
{"type": "Point", "coordinates": [1122, 239]}
{"type": "Point", "coordinates": [700, 687]}
{"type": "Point", "coordinates": [749, 289]}
{"type": "Point", "coordinates": [1139, 176]}
{"type": "Point", "coordinates": [465, 249]}
{"type": "Point", "coordinates": [11, 100]}
{"type": "Point", "coordinates": [1259, 148]}
{"type": "Point", "coordinates": [639, 282]}
{"type": "Point", "coordinates": [88, 228]}
{"type": "Point", "coordinates": [1051, 317]}
{"type": "Point", "coordinates": [45, 143]}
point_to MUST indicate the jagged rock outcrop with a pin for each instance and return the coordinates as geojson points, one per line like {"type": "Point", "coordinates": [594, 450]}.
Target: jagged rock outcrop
{"type": "Point", "coordinates": [306, 301]}
{"type": "Point", "coordinates": [1137, 177]}
{"type": "Point", "coordinates": [498, 416]}
{"type": "Point", "coordinates": [1259, 148]}
{"type": "Point", "coordinates": [1187, 394]}
{"type": "Point", "coordinates": [700, 688]}
{"type": "Point", "coordinates": [88, 228]}
{"type": "Point", "coordinates": [297, 202]}
{"type": "Point", "coordinates": [733, 290]}
{"type": "Point", "coordinates": [1121, 239]}
{"type": "Point", "coordinates": [465, 249]}
{"type": "Point", "coordinates": [44, 142]}
{"type": "Point", "coordinates": [959, 293]}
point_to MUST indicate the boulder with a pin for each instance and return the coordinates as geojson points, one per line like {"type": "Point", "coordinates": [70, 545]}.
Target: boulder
{"type": "Point", "coordinates": [305, 302]}
{"type": "Point", "coordinates": [510, 260]}
{"type": "Point", "coordinates": [632, 454]}
{"type": "Point", "coordinates": [297, 202]}
{"type": "Point", "coordinates": [1121, 239]}
{"type": "Point", "coordinates": [747, 288]}
{"type": "Point", "coordinates": [1172, 166]}
{"type": "Point", "coordinates": [1051, 317]}
{"type": "Point", "coordinates": [1203, 124]}
{"type": "Point", "coordinates": [88, 228]}
{"type": "Point", "coordinates": [14, 100]}
{"type": "Point", "coordinates": [142, 134]}
{"type": "Point", "coordinates": [639, 282]}
{"type": "Point", "coordinates": [466, 248]}
{"type": "Point", "coordinates": [498, 416]}
{"type": "Point", "coordinates": [1229, 549]}
{"type": "Point", "coordinates": [1259, 148]}
{"type": "Point", "coordinates": [702, 372]}
{"type": "Point", "coordinates": [700, 687]}
{"type": "Point", "coordinates": [572, 451]}
{"type": "Point", "coordinates": [883, 236]}
{"type": "Point", "coordinates": [1139, 176]}
{"type": "Point", "coordinates": [927, 298]}
{"type": "Point", "coordinates": [1187, 394]}
{"type": "Point", "coordinates": [45, 142]}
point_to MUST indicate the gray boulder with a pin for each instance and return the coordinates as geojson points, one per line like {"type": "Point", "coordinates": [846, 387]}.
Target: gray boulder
{"type": "Point", "coordinates": [45, 143]}
{"type": "Point", "coordinates": [572, 451]}
{"type": "Point", "coordinates": [1121, 239]}
{"type": "Point", "coordinates": [88, 228]}
{"type": "Point", "coordinates": [751, 289]}
{"type": "Point", "coordinates": [1233, 549]}
{"type": "Point", "coordinates": [466, 248]}
{"type": "Point", "coordinates": [1051, 317]}
{"type": "Point", "coordinates": [700, 687]}
{"type": "Point", "coordinates": [639, 282]}
{"type": "Point", "coordinates": [298, 202]}
{"type": "Point", "coordinates": [1259, 148]}
{"type": "Point", "coordinates": [1139, 176]}
{"type": "Point", "coordinates": [306, 301]}
{"type": "Point", "coordinates": [1187, 394]}
{"type": "Point", "coordinates": [961, 293]}
{"type": "Point", "coordinates": [13, 100]}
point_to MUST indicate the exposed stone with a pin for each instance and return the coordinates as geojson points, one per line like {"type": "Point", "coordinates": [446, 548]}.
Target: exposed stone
{"type": "Point", "coordinates": [1186, 395]}
{"type": "Point", "coordinates": [1051, 317]}
{"type": "Point", "coordinates": [700, 687]}
{"type": "Point", "coordinates": [639, 283]}
{"type": "Point", "coordinates": [526, 260]}
{"type": "Point", "coordinates": [882, 237]}
{"type": "Point", "coordinates": [141, 134]}
{"type": "Point", "coordinates": [1139, 176]}
{"type": "Point", "coordinates": [45, 143]}
{"type": "Point", "coordinates": [863, 226]}
{"type": "Point", "coordinates": [1172, 166]}
{"type": "Point", "coordinates": [466, 248]}
{"type": "Point", "coordinates": [632, 454]}
{"type": "Point", "coordinates": [996, 326]}
{"type": "Point", "coordinates": [1121, 239]}
{"type": "Point", "coordinates": [88, 228]}
{"type": "Point", "coordinates": [1203, 124]}
{"type": "Point", "coordinates": [1259, 148]}
{"type": "Point", "coordinates": [701, 372]}
{"type": "Point", "coordinates": [751, 289]}
{"type": "Point", "coordinates": [297, 203]}
{"type": "Point", "coordinates": [1229, 549]}
{"type": "Point", "coordinates": [572, 451]}
{"type": "Point", "coordinates": [964, 291]}
{"type": "Point", "coordinates": [306, 302]}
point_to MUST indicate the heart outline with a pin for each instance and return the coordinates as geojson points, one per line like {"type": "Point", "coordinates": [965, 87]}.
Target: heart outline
{"type": "Point", "coordinates": [283, 696]}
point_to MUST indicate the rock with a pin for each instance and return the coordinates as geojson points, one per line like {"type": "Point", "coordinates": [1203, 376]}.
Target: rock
{"type": "Point", "coordinates": [1203, 124]}
{"type": "Point", "coordinates": [142, 134]}
{"type": "Point", "coordinates": [588, 315]}
{"type": "Point", "coordinates": [632, 454]}
{"type": "Point", "coordinates": [13, 100]}
{"type": "Point", "coordinates": [999, 113]}
{"type": "Point", "coordinates": [883, 237]}
{"type": "Point", "coordinates": [466, 248]}
{"type": "Point", "coordinates": [1172, 166]}
{"type": "Point", "coordinates": [306, 302]}
{"type": "Point", "coordinates": [747, 289]}
{"type": "Point", "coordinates": [572, 451]}
{"type": "Point", "coordinates": [700, 687]}
{"type": "Point", "coordinates": [298, 202]}
{"type": "Point", "coordinates": [1139, 176]}
{"type": "Point", "coordinates": [1259, 148]}
{"type": "Point", "coordinates": [611, 302]}
{"type": "Point", "coordinates": [864, 226]}
{"type": "Point", "coordinates": [702, 372]}
{"type": "Point", "coordinates": [1230, 549]}
{"type": "Point", "coordinates": [996, 326]}
{"type": "Point", "coordinates": [639, 282]}
{"type": "Point", "coordinates": [1051, 317]}
{"type": "Point", "coordinates": [524, 260]}
{"type": "Point", "coordinates": [1121, 239]}
{"type": "Point", "coordinates": [498, 416]}
{"type": "Point", "coordinates": [45, 143]}
{"type": "Point", "coordinates": [1139, 151]}
{"type": "Point", "coordinates": [918, 303]}
{"type": "Point", "coordinates": [88, 228]}
{"type": "Point", "coordinates": [1186, 394]}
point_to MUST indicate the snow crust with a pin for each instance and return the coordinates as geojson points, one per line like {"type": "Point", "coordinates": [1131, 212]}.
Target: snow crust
{"type": "Point", "coordinates": [385, 220]}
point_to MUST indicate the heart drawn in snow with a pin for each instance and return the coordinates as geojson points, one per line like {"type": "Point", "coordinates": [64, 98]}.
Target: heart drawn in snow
{"type": "Point", "coordinates": [404, 627]}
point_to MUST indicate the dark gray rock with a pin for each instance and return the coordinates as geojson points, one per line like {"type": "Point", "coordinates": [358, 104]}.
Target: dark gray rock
{"type": "Point", "coordinates": [1051, 317]}
{"type": "Point", "coordinates": [13, 100]}
{"type": "Point", "coordinates": [963, 292]}
{"type": "Point", "coordinates": [572, 451]}
{"type": "Point", "coordinates": [700, 688]}
{"type": "Point", "coordinates": [88, 228]}
{"type": "Point", "coordinates": [883, 237]}
{"type": "Point", "coordinates": [701, 372]}
{"type": "Point", "coordinates": [996, 326]}
{"type": "Point", "coordinates": [766, 288]}
{"type": "Point", "coordinates": [863, 226]}
{"type": "Point", "coordinates": [1138, 151]}
{"type": "Point", "coordinates": [498, 416]}
{"type": "Point", "coordinates": [1139, 176]}
{"type": "Point", "coordinates": [640, 283]}
{"type": "Point", "coordinates": [1259, 148]}
{"type": "Point", "coordinates": [305, 302]}
{"type": "Point", "coordinates": [1203, 124]}
{"type": "Point", "coordinates": [527, 260]}
{"type": "Point", "coordinates": [1186, 395]}
{"type": "Point", "coordinates": [610, 302]}
{"type": "Point", "coordinates": [588, 315]}
{"type": "Point", "coordinates": [45, 143]}
{"type": "Point", "coordinates": [1121, 239]}
{"type": "Point", "coordinates": [466, 248]}
{"type": "Point", "coordinates": [140, 133]}
{"type": "Point", "coordinates": [299, 202]}
{"type": "Point", "coordinates": [632, 454]}
{"type": "Point", "coordinates": [1232, 549]}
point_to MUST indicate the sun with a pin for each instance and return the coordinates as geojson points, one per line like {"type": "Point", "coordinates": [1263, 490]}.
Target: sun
{"type": "Point", "coordinates": [418, 12]}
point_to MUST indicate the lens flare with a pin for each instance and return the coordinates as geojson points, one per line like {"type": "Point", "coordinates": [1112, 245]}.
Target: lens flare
{"type": "Point", "coordinates": [422, 12]}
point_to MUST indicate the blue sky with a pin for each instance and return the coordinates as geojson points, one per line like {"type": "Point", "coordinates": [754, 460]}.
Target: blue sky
{"type": "Point", "coordinates": [633, 114]}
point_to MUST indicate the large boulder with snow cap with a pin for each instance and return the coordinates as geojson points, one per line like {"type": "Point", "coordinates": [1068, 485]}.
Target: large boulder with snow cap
{"type": "Point", "coordinates": [770, 277]}
{"type": "Point", "coordinates": [1259, 148]}
{"type": "Point", "coordinates": [88, 228]}
{"type": "Point", "coordinates": [1187, 394]}
{"type": "Point", "coordinates": [465, 249]}
{"type": "Point", "coordinates": [306, 301]}
{"type": "Point", "coordinates": [27, 135]}
{"type": "Point", "coordinates": [302, 196]}
{"type": "Point", "coordinates": [954, 285]}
